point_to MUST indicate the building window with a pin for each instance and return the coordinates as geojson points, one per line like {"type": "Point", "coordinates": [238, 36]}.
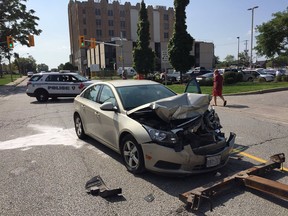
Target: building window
{"type": "Point", "coordinates": [98, 33]}
{"type": "Point", "coordinates": [122, 24]}
{"type": "Point", "coordinates": [110, 12]}
{"type": "Point", "coordinates": [84, 21]}
{"type": "Point", "coordinates": [122, 13]}
{"type": "Point", "coordinates": [111, 33]}
{"type": "Point", "coordinates": [83, 11]}
{"type": "Point", "coordinates": [166, 26]}
{"type": "Point", "coordinates": [124, 34]}
{"type": "Point", "coordinates": [85, 31]}
{"type": "Point", "coordinates": [166, 35]}
{"type": "Point", "coordinates": [166, 17]}
{"type": "Point", "coordinates": [98, 22]}
{"type": "Point", "coordinates": [97, 11]}
{"type": "Point", "coordinates": [110, 23]}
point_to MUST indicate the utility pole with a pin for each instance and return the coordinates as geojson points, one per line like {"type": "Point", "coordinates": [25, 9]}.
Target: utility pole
{"type": "Point", "coordinates": [252, 30]}
{"type": "Point", "coordinates": [246, 51]}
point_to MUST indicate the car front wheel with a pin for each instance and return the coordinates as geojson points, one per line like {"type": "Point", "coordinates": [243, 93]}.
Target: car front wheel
{"type": "Point", "coordinates": [132, 155]}
{"type": "Point", "coordinates": [42, 95]}
{"type": "Point", "coordinates": [79, 127]}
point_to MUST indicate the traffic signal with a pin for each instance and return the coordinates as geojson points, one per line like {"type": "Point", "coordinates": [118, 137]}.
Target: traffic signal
{"type": "Point", "coordinates": [31, 40]}
{"type": "Point", "coordinates": [10, 42]}
{"type": "Point", "coordinates": [81, 41]}
{"type": "Point", "coordinates": [92, 43]}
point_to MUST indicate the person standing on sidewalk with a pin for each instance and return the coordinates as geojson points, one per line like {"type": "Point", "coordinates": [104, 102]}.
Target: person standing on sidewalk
{"type": "Point", "coordinates": [217, 88]}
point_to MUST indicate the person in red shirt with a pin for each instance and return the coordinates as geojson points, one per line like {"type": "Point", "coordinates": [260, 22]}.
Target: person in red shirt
{"type": "Point", "coordinates": [217, 88]}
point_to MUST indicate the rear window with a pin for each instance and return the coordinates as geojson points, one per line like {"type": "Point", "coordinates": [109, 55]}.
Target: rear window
{"type": "Point", "coordinates": [35, 78]}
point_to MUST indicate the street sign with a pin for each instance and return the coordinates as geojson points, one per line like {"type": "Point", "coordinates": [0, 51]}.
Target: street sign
{"type": "Point", "coordinates": [164, 56]}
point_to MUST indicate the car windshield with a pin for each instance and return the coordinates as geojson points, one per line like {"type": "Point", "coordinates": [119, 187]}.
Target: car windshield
{"type": "Point", "coordinates": [81, 78]}
{"type": "Point", "coordinates": [134, 96]}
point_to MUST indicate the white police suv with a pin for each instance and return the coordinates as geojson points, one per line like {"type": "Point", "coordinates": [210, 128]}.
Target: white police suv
{"type": "Point", "coordinates": [47, 85]}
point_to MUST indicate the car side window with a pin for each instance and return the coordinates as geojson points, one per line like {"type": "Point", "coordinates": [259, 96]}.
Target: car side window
{"type": "Point", "coordinates": [107, 95]}
{"type": "Point", "coordinates": [92, 92]}
{"type": "Point", "coordinates": [35, 78]}
{"type": "Point", "coordinates": [51, 78]}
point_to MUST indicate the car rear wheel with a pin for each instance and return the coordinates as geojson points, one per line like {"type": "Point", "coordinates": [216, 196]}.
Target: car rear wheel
{"type": "Point", "coordinates": [42, 95]}
{"type": "Point", "coordinates": [250, 79]}
{"type": "Point", "coordinates": [79, 127]}
{"type": "Point", "coordinates": [132, 155]}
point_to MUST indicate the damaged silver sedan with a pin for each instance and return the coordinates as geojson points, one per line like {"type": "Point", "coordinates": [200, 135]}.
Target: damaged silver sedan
{"type": "Point", "coordinates": [152, 127]}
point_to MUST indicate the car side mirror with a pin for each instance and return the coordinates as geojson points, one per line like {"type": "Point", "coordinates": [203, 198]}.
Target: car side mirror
{"type": "Point", "coordinates": [109, 106]}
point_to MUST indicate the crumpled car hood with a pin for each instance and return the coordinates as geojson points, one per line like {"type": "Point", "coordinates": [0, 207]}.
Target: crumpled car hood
{"type": "Point", "coordinates": [183, 106]}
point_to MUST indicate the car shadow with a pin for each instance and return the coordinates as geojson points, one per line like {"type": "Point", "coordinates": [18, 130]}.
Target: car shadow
{"type": "Point", "coordinates": [176, 185]}
{"type": "Point", "coordinates": [54, 101]}
{"type": "Point", "coordinates": [11, 90]}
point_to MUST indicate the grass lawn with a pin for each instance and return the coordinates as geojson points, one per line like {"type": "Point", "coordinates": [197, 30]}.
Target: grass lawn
{"type": "Point", "coordinates": [235, 88]}
{"type": "Point", "coordinates": [5, 79]}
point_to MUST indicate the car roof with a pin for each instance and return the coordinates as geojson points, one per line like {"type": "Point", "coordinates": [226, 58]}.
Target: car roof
{"type": "Point", "coordinates": [55, 73]}
{"type": "Point", "coordinates": [121, 83]}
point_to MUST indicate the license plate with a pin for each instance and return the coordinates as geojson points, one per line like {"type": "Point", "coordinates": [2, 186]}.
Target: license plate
{"type": "Point", "coordinates": [213, 161]}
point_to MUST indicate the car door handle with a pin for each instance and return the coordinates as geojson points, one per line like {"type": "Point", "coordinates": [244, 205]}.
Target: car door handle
{"type": "Point", "coordinates": [97, 114]}
{"type": "Point", "coordinates": [83, 106]}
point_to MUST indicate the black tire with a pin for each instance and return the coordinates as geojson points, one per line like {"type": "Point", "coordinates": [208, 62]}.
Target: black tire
{"type": "Point", "coordinates": [132, 155]}
{"type": "Point", "coordinates": [79, 127]}
{"type": "Point", "coordinates": [250, 79]}
{"type": "Point", "coordinates": [42, 95]}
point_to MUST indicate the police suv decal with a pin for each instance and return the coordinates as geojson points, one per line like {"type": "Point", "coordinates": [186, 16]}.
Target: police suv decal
{"type": "Point", "coordinates": [59, 88]}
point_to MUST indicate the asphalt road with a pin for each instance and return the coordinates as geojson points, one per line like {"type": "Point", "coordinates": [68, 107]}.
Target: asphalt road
{"type": "Point", "coordinates": [44, 167]}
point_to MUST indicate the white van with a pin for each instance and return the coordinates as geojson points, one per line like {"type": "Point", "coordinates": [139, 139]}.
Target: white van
{"type": "Point", "coordinates": [130, 71]}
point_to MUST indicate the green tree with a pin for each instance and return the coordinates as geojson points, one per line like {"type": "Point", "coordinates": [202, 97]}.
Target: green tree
{"type": "Point", "coordinates": [181, 43]}
{"type": "Point", "coordinates": [24, 64]}
{"type": "Point", "coordinates": [61, 67]}
{"type": "Point", "coordinates": [273, 36]}
{"type": "Point", "coordinates": [17, 21]}
{"type": "Point", "coordinates": [69, 66]}
{"type": "Point", "coordinates": [143, 56]}
{"type": "Point", "coordinates": [42, 67]}
{"type": "Point", "coordinates": [243, 59]}
{"type": "Point", "coordinates": [230, 59]}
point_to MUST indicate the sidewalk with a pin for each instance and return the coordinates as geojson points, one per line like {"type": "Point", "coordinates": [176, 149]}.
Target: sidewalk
{"type": "Point", "coordinates": [17, 81]}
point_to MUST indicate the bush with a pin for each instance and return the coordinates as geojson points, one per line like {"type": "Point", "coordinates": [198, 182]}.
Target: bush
{"type": "Point", "coordinates": [261, 79]}
{"type": "Point", "coordinates": [206, 82]}
{"type": "Point", "coordinates": [104, 73]}
{"type": "Point", "coordinates": [284, 78]}
{"type": "Point", "coordinates": [230, 77]}
{"type": "Point", "coordinates": [239, 77]}
{"type": "Point", "coordinates": [278, 78]}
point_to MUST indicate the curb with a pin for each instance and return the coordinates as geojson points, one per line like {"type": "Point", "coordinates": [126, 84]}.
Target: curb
{"type": "Point", "coordinates": [258, 92]}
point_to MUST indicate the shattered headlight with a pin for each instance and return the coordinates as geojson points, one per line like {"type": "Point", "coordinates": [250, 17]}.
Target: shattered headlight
{"type": "Point", "coordinates": [166, 138]}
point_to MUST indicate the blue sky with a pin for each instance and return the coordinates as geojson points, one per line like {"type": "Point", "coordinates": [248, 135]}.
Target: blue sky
{"type": "Point", "coordinates": [217, 21]}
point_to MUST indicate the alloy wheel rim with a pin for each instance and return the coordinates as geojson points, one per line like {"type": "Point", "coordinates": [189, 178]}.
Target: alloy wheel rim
{"type": "Point", "coordinates": [78, 126]}
{"type": "Point", "coordinates": [131, 155]}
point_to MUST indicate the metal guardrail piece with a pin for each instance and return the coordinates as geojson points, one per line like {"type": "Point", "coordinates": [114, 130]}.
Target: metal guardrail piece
{"type": "Point", "coordinates": [248, 178]}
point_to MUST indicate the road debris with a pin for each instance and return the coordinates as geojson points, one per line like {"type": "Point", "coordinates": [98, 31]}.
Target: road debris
{"type": "Point", "coordinates": [97, 187]}
{"type": "Point", "coordinates": [149, 198]}
{"type": "Point", "coordinates": [249, 178]}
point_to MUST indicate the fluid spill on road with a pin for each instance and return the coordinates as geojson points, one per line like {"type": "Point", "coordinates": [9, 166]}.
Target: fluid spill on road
{"type": "Point", "coordinates": [47, 136]}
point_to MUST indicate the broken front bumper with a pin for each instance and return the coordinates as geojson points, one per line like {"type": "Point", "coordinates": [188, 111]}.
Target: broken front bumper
{"type": "Point", "coordinates": [162, 159]}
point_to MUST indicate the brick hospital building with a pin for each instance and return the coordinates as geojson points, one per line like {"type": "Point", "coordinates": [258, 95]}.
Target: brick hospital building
{"type": "Point", "coordinates": [115, 23]}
